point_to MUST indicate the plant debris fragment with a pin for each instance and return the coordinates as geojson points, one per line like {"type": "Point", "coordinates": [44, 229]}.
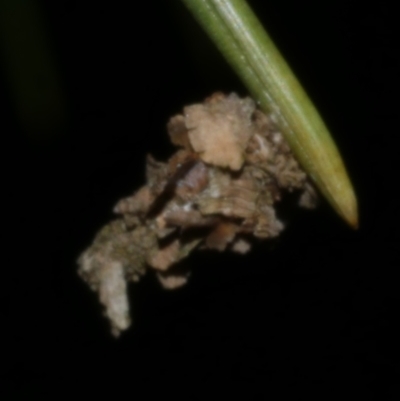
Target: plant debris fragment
{"type": "Point", "coordinates": [217, 191]}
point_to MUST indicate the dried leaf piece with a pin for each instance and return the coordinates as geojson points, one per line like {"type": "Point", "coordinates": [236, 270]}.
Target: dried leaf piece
{"type": "Point", "coordinates": [241, 246]}
{"type": "Point", "coordinates": [113, 294]}
{"type": "Point", "coordinates": [288, 173]}
{"type": "Point", "coordinates": [309, 197]}
{"type": "Point", "coordinates": [162, 259]}
{"type": "Point", "coordinates": [179, 163]}
{"type": "Point", "coordinates": [139, 203]}
{"type": "Point", "coordinates": [114, 256]}
{"type": "Point", "coordinates": [156, 175]}
{"type": "Point", "coordinates": [268, 225]}
{"type": "Point", "coordinates": [220, 130]}
{"type": "Point", "coordinates": [106, 276]}
{"type": "Point", "coordinates": [222, 235]}
{"type": "Point", "coordinates": [172, 281]}
{"type": "Point", "coordinates": [178, 132]}
{"type": "Point", "coordinates": [228, 197]}
{"type": "Point", "coordinates": [193, 182]}
{"type": "Point", "coordinates": [188, 217]}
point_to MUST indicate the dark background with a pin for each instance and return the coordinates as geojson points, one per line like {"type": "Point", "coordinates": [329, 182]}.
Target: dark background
{"type": "Point", "coordinates": [314, 311]}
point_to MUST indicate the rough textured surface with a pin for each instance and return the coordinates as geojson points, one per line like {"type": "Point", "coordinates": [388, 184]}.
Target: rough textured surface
{"type": "Point", "coordinates": [220, 129]}
{"type": "Point", "coordinates": [216, 192]}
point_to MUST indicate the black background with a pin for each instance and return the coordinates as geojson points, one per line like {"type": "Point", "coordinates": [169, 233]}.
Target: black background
{"type": "Point", "coordinates": [315, 311]}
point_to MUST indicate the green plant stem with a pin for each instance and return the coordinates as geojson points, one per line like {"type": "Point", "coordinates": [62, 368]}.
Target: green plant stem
{"type": "Point", "coordinates": [242, 40]}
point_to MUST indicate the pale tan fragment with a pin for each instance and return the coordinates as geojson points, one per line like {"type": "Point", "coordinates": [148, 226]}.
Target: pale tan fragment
{"type": "Point", "coordinates": [228, 207]}
{"type": "Point", "coordinates": [172, 281]}
{"type": "Point", "coordinates": [138, 203]}
{"type": "Point", "coordinates": [309, 197]}
{"type": "Point", "coordinates": [178, 133]}
{"type": "Point", "coordinates": [258, 150]}
{"type": "Point", "coordinates": [222, 235]}
{"type": "Point", "coordinates": [220, 130]}
{"type": "Point", "coordinates": [237, 199]}
{"type": "Point", "coordinates": [163, 258]}
{"type": "Point", "coordinates": [106, 276]}
{"type": "Point", "coordinates": [241, 246]}
{"type": "Point", "coordinates": [188, 218]}
{"type": "Point", "coordinates": [268, 226]}
{"type": "Point", "coordinates": [288, 173]}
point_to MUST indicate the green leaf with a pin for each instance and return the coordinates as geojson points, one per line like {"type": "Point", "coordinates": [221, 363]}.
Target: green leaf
{"type": "Point", "coordinates": [244, 43]}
